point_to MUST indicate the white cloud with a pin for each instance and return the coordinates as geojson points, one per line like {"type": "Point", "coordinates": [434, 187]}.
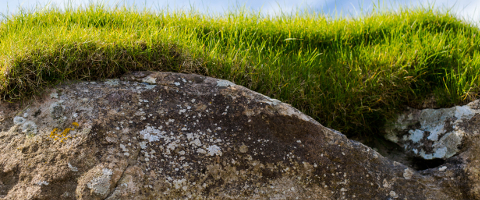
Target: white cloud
{"type": "Point", "coordinates": [467, 9]}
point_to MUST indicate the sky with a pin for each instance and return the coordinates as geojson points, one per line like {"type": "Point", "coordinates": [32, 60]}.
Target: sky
{"type": "Point", "coordinates": [468, 10]}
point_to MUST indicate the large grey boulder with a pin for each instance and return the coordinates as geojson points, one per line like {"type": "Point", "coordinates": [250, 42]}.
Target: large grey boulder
{"type": "Point", "coordinates": [153, 135]}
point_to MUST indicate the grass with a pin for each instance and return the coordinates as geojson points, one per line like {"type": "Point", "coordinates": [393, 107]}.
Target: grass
{"type": "Point", "coordinates": [349, 74]}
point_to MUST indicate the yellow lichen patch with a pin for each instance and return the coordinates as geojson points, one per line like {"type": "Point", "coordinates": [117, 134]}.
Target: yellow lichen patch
{"type": "Point", "coordinates": [66, 131]}
{"type": "Point", "coordinates": [56, 134]}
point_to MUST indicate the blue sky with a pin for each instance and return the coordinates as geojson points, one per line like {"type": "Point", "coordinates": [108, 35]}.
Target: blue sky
{"type": "Point", "coordinates": [467, 9]}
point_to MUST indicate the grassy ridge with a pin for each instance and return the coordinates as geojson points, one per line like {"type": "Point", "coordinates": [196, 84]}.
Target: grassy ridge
{"type": "Point", "coordinates": [349, 74]}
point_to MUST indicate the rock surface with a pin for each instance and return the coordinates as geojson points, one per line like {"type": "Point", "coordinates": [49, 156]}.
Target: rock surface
{"type": "Point", "coordinates": [153, 135]}
{"type": "Point", "coordinates": [433, 133]}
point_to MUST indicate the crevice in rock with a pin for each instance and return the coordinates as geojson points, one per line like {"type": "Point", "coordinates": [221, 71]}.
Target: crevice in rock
{"type": "Point", "coordinates": [422, 164]}
{"type": "Point", "coordinates": [135, 157]}
{"type": "Point", "coordinates": [395, 152]}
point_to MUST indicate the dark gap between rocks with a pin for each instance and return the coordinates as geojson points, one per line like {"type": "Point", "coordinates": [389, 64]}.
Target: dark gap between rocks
{"type": "Point", "coordinates": [422, 164]}
{"type": "Point", "coordinates": [394, 152]}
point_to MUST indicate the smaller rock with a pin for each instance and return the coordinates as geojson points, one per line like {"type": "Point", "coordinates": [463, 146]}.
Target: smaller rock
{"type": "Point", "coordinates": [431, 133]}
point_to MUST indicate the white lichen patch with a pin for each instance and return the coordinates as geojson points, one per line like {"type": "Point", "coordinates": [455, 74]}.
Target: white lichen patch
{"type": "Point", "coordinates": [250, 112]}
{"type": "Point", "coordinates": [393, 194]}
{"type": "Point", "coordinates": [72, 167]}
{"type": "Point", "coordinates": [464, 112]}
{"type": "Point", "coordinates": [270, 101]}
{"type": "Point", "coordinates": [180, 184]}
{"type": "Point", "coordinates": [54, 95]}
{"type": "Point", "coordinates": [19, 120]}
{"type": "Point", "coordinates": [111, 139]}
{"type": "Point", "coordinates": [143, 145]}
{"type": "Point", "coordinates": [149, 87]}
{"type": "Point", "coordinates": [42, 183]}
{"type": "Point", "coordinates": [112, 82]}
{"type": "Point", "coordinates": [101, 184]}
{"type": "Point", "coordinates": [29, 128]}
{"type": "Point", "coordinates": [122, 146]}
{"type": "Point", "coordinates": [442, 168]}
{"type": "Point", "coordinates": [56, 110]}
{"type": "Point", "coordinates": [214, 150]}
{"type": "Point", "coordinates": [149, 79]}
{"type": "Point", "coordinates": [448, 143]}
{"type": "Point", "coordinates": [440, 152]}
{"type": "Point", "coordinates": [408, 173]}
{"type": "Point", "coordinates": [171, 147]}
{"type": "Point", "coordinates": [179, 144]}
{"type": "Point", "coordinates": [285, 110]}
{"type": "Point", "coordinates": [415, 135]}
{"type": "Point", "coordinates": [224, 83]}
{"type": "Point", "coordinates": [196, 142]}
{"type": "Point", "coordinates": [152, 134]}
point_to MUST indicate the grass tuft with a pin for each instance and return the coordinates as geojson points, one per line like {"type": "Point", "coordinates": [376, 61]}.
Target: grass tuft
{"type": "Point", "coordinates": [349, 74]}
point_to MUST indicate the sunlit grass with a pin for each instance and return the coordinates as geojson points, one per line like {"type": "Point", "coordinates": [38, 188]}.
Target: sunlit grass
{"type": "Point", "coordinates": [349, 74]}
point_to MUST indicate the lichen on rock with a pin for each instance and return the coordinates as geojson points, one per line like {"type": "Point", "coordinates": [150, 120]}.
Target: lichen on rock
{"type": "Point", "coordinates": [158, 135]}
{"type": "Point", "coordinates": [432, 133]}
{"type": "Point", "coordinates": [101, 184]}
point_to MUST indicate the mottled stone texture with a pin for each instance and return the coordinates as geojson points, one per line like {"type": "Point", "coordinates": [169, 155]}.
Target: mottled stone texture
{"type": "Point", "coordinates": [154, 135]}
{"type": "Point", "coordinates": [433, 133]}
